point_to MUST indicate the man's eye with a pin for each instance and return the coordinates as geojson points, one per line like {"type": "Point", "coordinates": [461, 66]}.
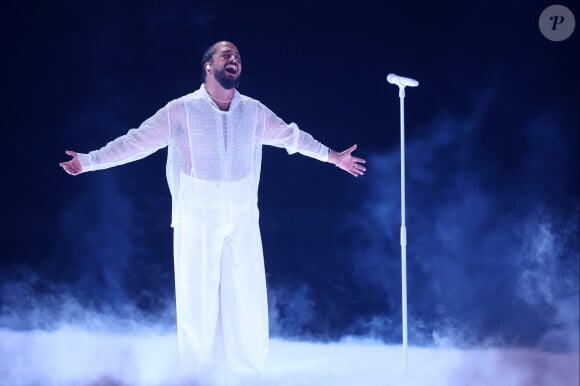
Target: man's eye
{"type": "Point", "coordinates": [238, 57]}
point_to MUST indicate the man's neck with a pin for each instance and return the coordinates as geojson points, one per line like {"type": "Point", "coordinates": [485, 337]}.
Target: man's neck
{"type": "Point", "coordinates": [218, 93]}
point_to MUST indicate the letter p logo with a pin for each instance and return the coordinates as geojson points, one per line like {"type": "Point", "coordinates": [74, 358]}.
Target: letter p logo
{"type": "Point", "coordinates": [556, 20]}
{"type": "Point", "coordinates": [557, 23]}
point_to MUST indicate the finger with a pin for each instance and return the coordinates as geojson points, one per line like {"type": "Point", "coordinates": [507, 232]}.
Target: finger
{"type": "Point", "coordinates": [360, 160]}
{"type": "Point", "coordinates": [361, 168]}
{"type": "Point", "coordinates": [352, 148]}
{"type": "Point", "coordinates": [72, 171]}
{"type": "Point", "coordinates": [70, 152]}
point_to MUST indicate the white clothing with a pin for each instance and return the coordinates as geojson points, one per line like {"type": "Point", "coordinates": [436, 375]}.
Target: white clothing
{"type": "Point", "coordinates": [222, 314]}
{"type": "Point", "coordinates": [213, 171]}
{"type": "Point", "coordinates": [207, 143]}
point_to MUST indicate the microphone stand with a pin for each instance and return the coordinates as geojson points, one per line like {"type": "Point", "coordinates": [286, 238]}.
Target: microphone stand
{"type": "Point", "coordinates": [402, 82]}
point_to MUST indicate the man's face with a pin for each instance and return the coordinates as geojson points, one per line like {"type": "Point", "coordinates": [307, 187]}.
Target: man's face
{"type": "Point", "coordinates": [227, 65]}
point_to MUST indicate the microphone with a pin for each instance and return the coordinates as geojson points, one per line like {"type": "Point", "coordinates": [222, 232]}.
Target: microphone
{"type": "Point", "coordinates": [401, 81]}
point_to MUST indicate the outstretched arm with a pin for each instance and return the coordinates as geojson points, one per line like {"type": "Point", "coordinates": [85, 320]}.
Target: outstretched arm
{"type": "Point", "coordinates": [73, 166]}
{"type": "Point", "coordinates": [347, 162]}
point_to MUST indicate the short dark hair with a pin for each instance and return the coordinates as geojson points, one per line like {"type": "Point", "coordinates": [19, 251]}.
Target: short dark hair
{"type": "Point", "coordinates": [207, 57]}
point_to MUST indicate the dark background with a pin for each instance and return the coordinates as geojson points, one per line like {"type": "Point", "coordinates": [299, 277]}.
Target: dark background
{"type": "Point", "coordinates": [491, 155]}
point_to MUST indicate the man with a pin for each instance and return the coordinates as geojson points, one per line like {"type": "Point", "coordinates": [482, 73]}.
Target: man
{"type": "Point", "coordinates": [214, 138]}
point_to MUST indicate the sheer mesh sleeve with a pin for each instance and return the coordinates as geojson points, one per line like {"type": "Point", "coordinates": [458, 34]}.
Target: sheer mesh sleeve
{"type": "Point", "coordinates": [280, 134]}
{"type": "Point", "coordinates": [150, 136]}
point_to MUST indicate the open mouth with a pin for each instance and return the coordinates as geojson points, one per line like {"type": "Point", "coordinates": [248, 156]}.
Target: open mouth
{"type": "Point", "coordinates": [232, 69]}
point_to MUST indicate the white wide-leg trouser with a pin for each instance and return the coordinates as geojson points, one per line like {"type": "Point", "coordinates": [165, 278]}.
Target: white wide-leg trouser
{"type": "Point", "coordinates": [220, 285]}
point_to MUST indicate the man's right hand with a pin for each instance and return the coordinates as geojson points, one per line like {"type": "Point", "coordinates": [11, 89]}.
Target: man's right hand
{"type": "Point", "coordinates": [72, 167]}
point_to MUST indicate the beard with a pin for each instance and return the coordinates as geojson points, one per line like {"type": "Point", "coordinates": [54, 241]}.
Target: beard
{"type": "Point", "coordinates": [226, 82]}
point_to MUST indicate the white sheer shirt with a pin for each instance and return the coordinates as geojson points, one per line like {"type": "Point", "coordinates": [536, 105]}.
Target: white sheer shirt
{"type": "Point", "coordinates": [206, 143]}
